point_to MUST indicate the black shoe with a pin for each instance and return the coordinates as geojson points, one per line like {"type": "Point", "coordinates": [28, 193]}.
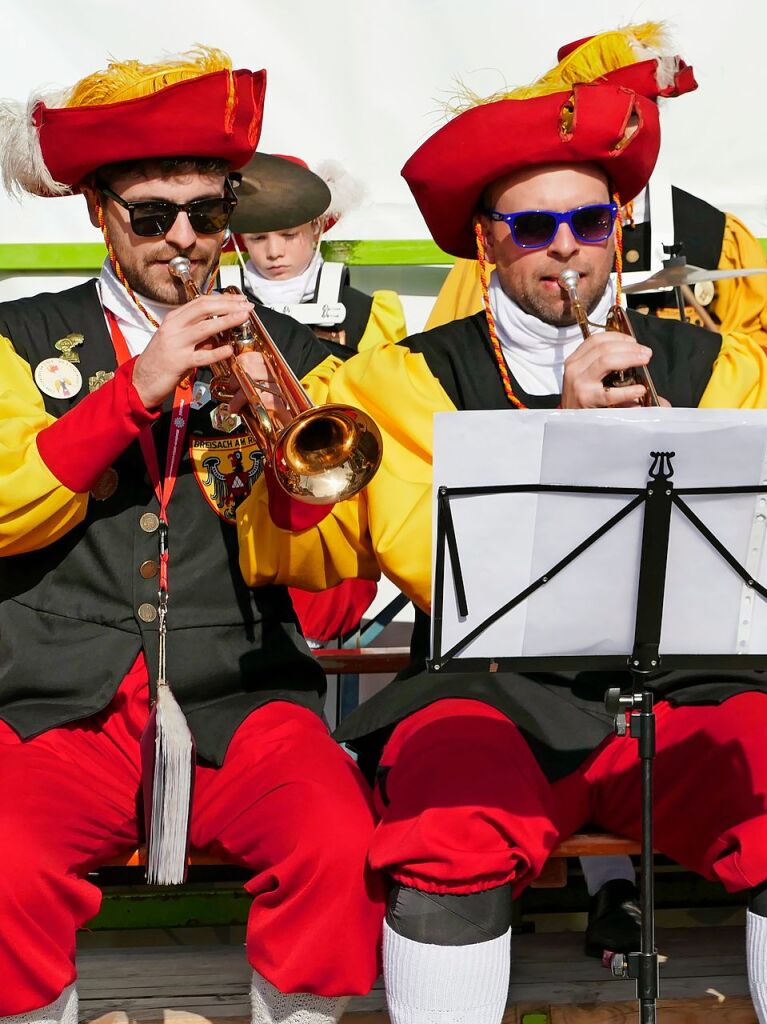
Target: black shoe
{"type": "Point", "coordinates": [615, 919]}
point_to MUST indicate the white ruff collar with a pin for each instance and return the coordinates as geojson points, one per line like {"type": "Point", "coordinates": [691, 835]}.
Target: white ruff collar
{"type": "Point", "coordinates": [277, 293]}
{"type": "Point", "coordinates": [135, 327]}
{"type": "Point", "coordinates": [535, 352]}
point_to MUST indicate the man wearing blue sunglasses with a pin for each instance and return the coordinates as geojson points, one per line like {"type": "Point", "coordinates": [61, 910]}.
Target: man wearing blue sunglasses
{"type": "Point", "coordinates": [535, 224]}
{"type": "Point", "coordinates": [479, 776]}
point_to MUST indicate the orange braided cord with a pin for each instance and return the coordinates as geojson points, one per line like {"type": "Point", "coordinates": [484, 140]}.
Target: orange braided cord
{"type": "Point", "coordinates": [116, 265]}
{"type": "Point", "coordinates": [502, 367]}
{"type": "Point", "coordinates": [618, 251]}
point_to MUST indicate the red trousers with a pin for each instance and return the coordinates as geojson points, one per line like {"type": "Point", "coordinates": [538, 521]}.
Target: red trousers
{"type": "Point", "coordinates": [287, 803]}
{"type": "Point", "coordinates": [464, 805]}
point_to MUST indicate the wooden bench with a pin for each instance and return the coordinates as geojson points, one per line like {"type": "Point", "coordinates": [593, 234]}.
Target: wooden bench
{"type": "Point", "coordinates": [388, 660]}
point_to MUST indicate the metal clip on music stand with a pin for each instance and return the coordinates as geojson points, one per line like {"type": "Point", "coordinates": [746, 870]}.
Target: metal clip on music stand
{"type": "Point", "coordinates": [645, 660]}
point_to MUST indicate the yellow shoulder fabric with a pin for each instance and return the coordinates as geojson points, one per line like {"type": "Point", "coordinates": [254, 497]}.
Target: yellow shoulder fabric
{"type": "Point", "coordinates": [740, 303]}
{"type": "Point", "coordinates": [386, 527]}
{"type": "Point", "coordinates": [35, 509]}
{"type": "Point", "coordinates": [460, 294]}
{"type": "Point", "coordinates": [317, 382]}
{"type": "Point", "coordinates": [739, 377]}
{"type": "Point", "coordinates": [386, 322]}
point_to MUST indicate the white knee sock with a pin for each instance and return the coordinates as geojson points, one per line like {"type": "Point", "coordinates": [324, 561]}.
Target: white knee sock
{"type": "Point", "coordinates": [756, 960]}
{"type": "Point", "coordinates": [270, 1006]}
{"type": "Point", "coordinates": [61, 1011]}
{"type": "Point", "coordinates": [428, 984]}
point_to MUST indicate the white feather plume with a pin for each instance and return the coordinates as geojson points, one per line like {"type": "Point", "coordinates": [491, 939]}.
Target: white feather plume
{"type": "Point", "coordinates": [346, 191]}
{"type": "Point", "coordinates": [653, 39]}
{"type": "Point", "coordinates": [666, 70]}
{"type": "Point", "coordinates": [22, 166]}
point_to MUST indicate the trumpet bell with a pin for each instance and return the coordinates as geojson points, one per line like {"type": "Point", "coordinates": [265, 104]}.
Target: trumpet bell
{"type": "Point", "coordinates": [327, 454]}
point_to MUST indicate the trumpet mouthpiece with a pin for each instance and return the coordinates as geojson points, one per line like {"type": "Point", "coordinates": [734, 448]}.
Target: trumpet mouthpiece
{"type": "Point", "coordinates": [568, 279]}
{"type": "Point", "coordinates": [179, 266]}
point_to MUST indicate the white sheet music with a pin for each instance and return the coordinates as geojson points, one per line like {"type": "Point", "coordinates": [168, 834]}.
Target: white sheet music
{"type": "Point", "coordinates": [507, 541]}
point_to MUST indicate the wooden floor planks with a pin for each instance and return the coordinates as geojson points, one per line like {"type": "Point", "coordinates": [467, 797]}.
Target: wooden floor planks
{"type": "Point", "coordinates": [699, 1011]}
{"type": "Point", "coordinates": [703, 978]}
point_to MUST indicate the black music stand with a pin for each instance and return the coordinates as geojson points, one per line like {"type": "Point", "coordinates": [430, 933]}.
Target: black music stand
{"type": "Point", "coordinates": [644, 661]}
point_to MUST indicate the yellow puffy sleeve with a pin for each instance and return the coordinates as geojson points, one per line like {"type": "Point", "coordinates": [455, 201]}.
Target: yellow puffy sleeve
{"type": "Point", "coordinates": [386, 322]}
{"type": "Point", "coordinates": [35, 508]}
{"type": "Point", "coordinates": [317, 381]}
{"type": "Point", "coordinates": [740, 303]}
{"type": "Point", "coordinates": [739, 376]}
{"type": "Point", "coordinates": [386, 527]}
{"type": "Point", "coordinates": [460, 294]}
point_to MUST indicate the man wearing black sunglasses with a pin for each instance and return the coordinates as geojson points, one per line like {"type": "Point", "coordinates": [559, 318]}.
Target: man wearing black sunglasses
{"type": "Point", "coordinates": [479, 776]}
{"type": "Point", "coordinates": [121, 480]}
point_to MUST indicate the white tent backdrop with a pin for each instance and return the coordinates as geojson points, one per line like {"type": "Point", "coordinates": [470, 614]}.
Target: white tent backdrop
{"type": "Point", "coordinates": [363, 82]}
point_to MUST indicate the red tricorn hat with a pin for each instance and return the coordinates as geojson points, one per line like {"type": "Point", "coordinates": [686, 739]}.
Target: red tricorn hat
{"type": "Point", "coordinates": [197, 107]}
{"type": "Point", "coordinates": [595, 107]}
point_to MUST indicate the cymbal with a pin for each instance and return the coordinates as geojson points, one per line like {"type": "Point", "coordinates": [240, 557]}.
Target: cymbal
{"type": "Point", "coordinates": [276, 193]}
{"type": "Point", "coordinates": [686, 273]}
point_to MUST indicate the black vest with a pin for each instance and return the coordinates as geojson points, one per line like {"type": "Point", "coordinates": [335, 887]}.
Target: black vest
{"type": "Point", "coordinates": [69, 622]}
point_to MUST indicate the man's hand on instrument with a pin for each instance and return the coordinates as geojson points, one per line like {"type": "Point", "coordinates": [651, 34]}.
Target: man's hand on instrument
{"type": "Point", "coordinates": [598, 356]}
{"type": "Point", "coordinates": [183, 343]}
{"type": "Point", "coordinates": [257, 368]}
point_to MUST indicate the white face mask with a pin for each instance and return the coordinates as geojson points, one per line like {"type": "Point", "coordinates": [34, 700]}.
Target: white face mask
{"type": "Point", "coordinates": [535, 352]}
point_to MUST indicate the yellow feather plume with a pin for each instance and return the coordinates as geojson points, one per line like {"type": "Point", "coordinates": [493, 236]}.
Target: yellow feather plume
{"type": "Point", "coordinates": [605, 52]}
{"type": "Point", "coordinates": [127, 80]}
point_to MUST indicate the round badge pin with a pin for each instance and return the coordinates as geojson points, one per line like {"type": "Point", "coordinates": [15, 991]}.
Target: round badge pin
{"type": "Point", "coordinates": [58, 378]}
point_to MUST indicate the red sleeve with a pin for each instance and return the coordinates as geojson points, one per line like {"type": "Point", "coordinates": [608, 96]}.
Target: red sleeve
{"type": "Point", "coordinates": [82, 443]}
{"type": "Point", "coordinates": [287, 513]}
{"type": "Point", "coordinates": [334, 612]}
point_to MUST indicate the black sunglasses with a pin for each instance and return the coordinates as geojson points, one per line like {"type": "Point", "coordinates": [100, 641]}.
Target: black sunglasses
{"type": "Point", "coordinates": [534, 229]}
{"type": "Point", "coordinates": [151, 218]}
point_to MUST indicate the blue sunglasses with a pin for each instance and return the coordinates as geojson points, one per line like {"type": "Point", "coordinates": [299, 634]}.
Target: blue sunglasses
{"type": "Point", "coordinates": [535, 229]}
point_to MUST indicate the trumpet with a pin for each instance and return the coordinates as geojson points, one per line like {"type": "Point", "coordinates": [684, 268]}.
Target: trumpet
{"type": "Point", "coordinates": [616, 321]}
{"type": "Point", "coordinates": [319, 455]}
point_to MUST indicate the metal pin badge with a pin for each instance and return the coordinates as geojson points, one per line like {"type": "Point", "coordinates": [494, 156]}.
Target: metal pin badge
{"type": "Point", "coordinates": [200, 395]}
{"type": "Point", "coordinates": [58, 378]}
{"type": "Point", "coordinates": [99, 377]}
{"type": "Point", "coordinates": [67, 345]}
{"type": "Point", "coordinates": [224, 420]}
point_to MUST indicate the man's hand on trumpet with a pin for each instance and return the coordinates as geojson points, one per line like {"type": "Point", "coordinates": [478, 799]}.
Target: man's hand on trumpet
{"type": "Point", "coordinates": [183, 343]}
{"type": "Point", "coordinates": [585, 370]}
{"type": "Point", "coordinates": [259, 371]}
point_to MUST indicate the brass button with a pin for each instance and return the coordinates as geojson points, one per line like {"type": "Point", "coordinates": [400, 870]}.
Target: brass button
{"type": "Point", "coordinates": [704, 292]}
{"type": "Point", "coordinates": [149, 522]}
{"type": "Point", "coordinates": [632, 256]}
{"type": "Point", "coordinates": [149, 569]}
{"type": "Point", "coordinates": [147, 612]}
{"type": "Point", "coordinates": [106, 485]}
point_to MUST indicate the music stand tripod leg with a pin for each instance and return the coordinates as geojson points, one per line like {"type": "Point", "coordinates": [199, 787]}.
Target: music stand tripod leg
{"type": "Point", "coordinates": [643, 664]}
{"type": "Point", "coordinates": [642, 966]}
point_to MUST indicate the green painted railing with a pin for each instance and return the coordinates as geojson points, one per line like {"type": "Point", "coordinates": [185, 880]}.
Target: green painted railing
{"type": "Point", "coordinates": [46, 257]}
